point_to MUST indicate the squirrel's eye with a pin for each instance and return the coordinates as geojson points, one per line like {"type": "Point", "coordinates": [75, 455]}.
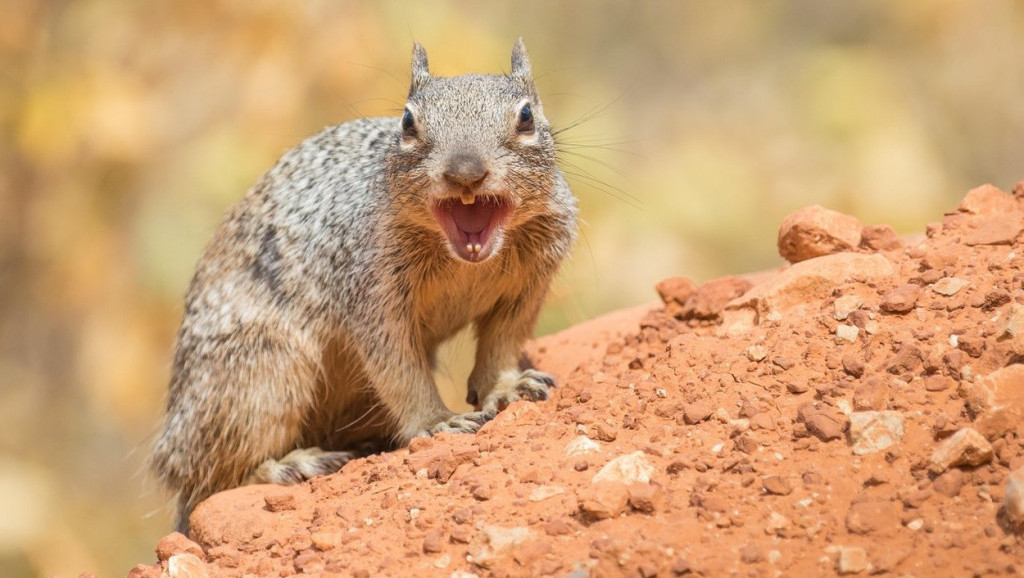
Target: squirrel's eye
{"type": "Point", "coordinates": [408, 124]}
{"type": "Point", "coordinates": [525, 125]}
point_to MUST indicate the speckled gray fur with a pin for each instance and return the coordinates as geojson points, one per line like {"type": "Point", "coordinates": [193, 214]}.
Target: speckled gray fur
{"type": "Point", "coordinates": [311, 324]}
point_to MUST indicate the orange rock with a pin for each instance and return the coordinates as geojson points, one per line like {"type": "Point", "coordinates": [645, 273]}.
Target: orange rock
{"type": "Point", "coordinates": [812, 280]}
{"type": "Point", "coordinates": [996, 400]}
{"type": "Point", "coordinates": [988, 200]}
{"type": "Point", "coordinates": [815, 231]}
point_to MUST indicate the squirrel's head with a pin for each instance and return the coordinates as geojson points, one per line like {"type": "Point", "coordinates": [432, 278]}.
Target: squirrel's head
{"type": "Point", "coordinates": [475, 156]}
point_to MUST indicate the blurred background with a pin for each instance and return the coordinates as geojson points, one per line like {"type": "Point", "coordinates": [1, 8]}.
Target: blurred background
{"type": "Point", "coordinates": [129, 127]}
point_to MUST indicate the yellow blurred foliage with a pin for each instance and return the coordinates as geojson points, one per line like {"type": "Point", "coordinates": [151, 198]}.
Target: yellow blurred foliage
{"type": "Point", "coordinates": [129, 127]}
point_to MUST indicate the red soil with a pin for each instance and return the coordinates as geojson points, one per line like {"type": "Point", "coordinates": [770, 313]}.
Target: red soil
{"type": "Point", "coordinates": [856, 412]}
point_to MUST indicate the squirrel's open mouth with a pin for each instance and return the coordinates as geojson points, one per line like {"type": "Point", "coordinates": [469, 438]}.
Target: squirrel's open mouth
{"type": "Point", "coordinates": [470, 223]}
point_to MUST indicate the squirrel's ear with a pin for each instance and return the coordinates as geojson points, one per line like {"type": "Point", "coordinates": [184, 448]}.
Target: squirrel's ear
{"type": "Point", "coordinates": [521, 69]}
{"type": "Point", "coordinates": [420, 71]}
{"type": "Point", "coordinates": [521, 61]}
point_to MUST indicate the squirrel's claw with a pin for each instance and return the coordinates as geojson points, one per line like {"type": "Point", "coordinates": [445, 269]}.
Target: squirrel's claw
{"type": "Point", "coordinates": [530, 385]}
{"type": "Point", "coordinates": [299, 466]}
{"type": "Point", "coordinates": [463, 422]}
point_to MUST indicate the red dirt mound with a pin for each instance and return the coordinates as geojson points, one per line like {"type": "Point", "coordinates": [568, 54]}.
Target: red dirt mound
{"type": "Point", "coordinates": [856, 412]}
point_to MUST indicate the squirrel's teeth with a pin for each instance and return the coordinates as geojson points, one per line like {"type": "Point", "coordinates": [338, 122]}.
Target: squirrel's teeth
{"type": "Point", "coordinates": [468, 198]}
{"type": "Point", "coordinates": [477, 247]}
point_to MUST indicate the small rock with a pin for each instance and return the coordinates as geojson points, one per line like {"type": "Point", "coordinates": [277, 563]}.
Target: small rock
{"type": "Point", "coordinates": [823, 423]}
{"type": "Point", "coordinates": [972, 345]}
{"type": "Point", "coordinates": [177, 543]}
{"type": "Point", "coordinates": [279, 501]}
{"type": "Point", "coordinates": [949, 483]}
{"type": "Point", "coordinates": [750, 553]}
{"type": "Point", "coordinates": [902, 299]}
{"type": "Point", "coordinates": [541, 493]}
{"type": "Point", "coordinates": [557, 527]}
{"type": "Point", "coordinates": [868, 516]}
{"type": "Point", "coordinates": [710, 299]}
{"type": "Point", "coordinates": [605, 432]}
{"type": "Point", "coordinates": [309, 563]}
{"type": "Point", "coordinates": [845, 305]}
{"type": "Point", "coordinates": [874, 431]}
{"type": "Point", "coordinates": [756, 353]}
{"type": "Point", "coordinates": [776, 523]}
{"type": "Point", "coordinates": [797, 388]}
{"type": "Point", "coordinates": [462, 534]}
{"type": "Point", "coordinates": [815, 231]}
{"type": "Point", "coordinates": [440, 461]}
{"type": "Point", "coordinates": [938, 382]}
{"type": "Point", "coordinates": [698, 411]}
{"type": "Point", "coordinates": [325, 540]}
{"type": "Point", "coordinates": [675, 290]}
{"type": "Point", "coordinates": [1013, 499]}
{"type": "Point", "coordinates": [225, 556]}
{"type": "Point", "coordinates": [494, 541]}
{"type": "Point", "coordinates": [1014, 324]}
{"type": "Point", "coordinates": [603, 500]}
{"type": "Point", "coordinates": [914, 498]}
{"type": "Point", "coordinates": [762, 420]}
{"type": "Point", "coordinates": [432, 542]}
{"type": "Point", "coordinates": [420, 444]}
{"type": "Point", "coordinates": [987, 200]}
{"type": "Point", "coordinates": [581, 446]}
{"type": "Point", "coordinates": [996, 298]}
{"type": "Point", "coordinates": [500, 538]}
{"type": "Point", "coordinates": [776, 484]}
{"type": "Point", "coordinates": [710, 502]}
{"type": "Point", "coordinates": [810, 281]}
{"type": "Point", "coordinates": [482, 492]}
{"type": "Point", "coordinates": [908, 358]}
{"type": "Point", "coordinates": [783, 363]}
{"type": "Point", "coordinates": [646, 498]}
{"type": "Point", "coordinates": [966, 447]}
{"type": "Point", "coordinates": [628, 469]}
{"type": "Point", "coordinates": [853, 364]}
{"type": "Point", "coordinates": [745, 443]}
{"type": "Point", "coordinates": [949, 286]}
{"type": "Point", "coordinates": [144, 571]}
{"type": "Point", "coordinates": [186, 566]}
{"type": "Point", "coordinates": [996, 400]}
{"type": "Point", "coordinates": [880, 238]}
{"type": "Point", "coordinates": [996, 230]}
{"type": "Point", "coordinates": [846, 333]}
{"type": "Point", "coordinates": [852, 560]}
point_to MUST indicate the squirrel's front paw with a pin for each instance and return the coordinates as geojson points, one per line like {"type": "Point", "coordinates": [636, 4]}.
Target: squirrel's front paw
{"type": "Point", "coordinates": [299, 466]}
{"type": "Point", "coordinates": [530, 385]}
{"type": "Point", "coordinates": [463, 422]}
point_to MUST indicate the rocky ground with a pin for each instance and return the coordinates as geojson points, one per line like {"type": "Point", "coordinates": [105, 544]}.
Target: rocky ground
{"type": "Point", "coordinates": [856, 412]}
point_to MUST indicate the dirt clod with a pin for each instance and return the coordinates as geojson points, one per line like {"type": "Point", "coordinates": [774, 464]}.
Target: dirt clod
{"type": "Point", "coordinates": [901, 299]}
{"type": "Point", "coordinates": [815, 231]}
{"type": "Point", "coordinates": [966, 447]}
{"type": "Point", "coordinates": [177, 543]}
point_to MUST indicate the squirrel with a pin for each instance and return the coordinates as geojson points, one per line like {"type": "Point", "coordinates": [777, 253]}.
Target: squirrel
{"type": "Point", "coordinates": [314, 316]}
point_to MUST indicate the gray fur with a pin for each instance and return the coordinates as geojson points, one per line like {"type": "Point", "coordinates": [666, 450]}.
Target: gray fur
{"type": "Point", "coordinates": [311, 324]}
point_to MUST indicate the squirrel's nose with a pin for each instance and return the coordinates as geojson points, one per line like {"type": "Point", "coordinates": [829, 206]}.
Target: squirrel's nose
{"type": "Point", "coordinates": [465, 169]}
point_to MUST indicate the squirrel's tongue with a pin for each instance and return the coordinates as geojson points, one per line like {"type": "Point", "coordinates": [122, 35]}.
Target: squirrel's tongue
{"type": "Point", "coordinates": [469, 227]}
{"type": "Point", "coordinates": [473, 218]}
